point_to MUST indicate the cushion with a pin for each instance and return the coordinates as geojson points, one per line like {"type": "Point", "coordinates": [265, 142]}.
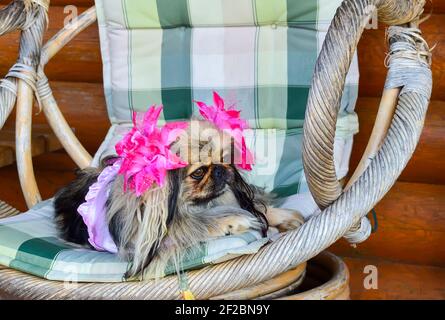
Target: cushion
{"type": "Point", "coordinates": [29, 242]}
{"type": "Point", "coordinates": [258, 55]}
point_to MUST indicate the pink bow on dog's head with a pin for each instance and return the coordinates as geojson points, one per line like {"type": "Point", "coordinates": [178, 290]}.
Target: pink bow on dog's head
{"type": "Point", "coordinates": [145, 151]}
{"type": "Point", "coordinates": [229, 121]}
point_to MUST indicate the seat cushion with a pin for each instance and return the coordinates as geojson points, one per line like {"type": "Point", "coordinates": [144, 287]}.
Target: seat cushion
{"type": "Point", "coordinates": [30, 243]}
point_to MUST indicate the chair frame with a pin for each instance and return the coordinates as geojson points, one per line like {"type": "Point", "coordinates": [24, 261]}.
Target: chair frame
{"type": "Point", "coordinates": [394, 137]}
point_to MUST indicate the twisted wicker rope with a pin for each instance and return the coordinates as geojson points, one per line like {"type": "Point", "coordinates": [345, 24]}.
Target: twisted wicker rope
{"type": "Point", "coordinates": [7, 211]}
{"type": "Point", "coordinates": [16, 16]}
{"type": "Point", "coordinates": [323, 105]}
{"type": "Point", "coordinates": [31, 17]}
{"type": "Point", "coordinates": [321, 231]}
{"type": "Point", "coordinates": [331, 68]}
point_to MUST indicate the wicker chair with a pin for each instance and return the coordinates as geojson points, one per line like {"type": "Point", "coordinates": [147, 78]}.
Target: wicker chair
{"type": "Point", "coordinates": [395, 135]}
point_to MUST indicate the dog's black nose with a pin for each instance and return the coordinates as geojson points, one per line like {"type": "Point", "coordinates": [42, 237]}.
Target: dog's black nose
{"type": "Point", "coordinates": [218, 172]}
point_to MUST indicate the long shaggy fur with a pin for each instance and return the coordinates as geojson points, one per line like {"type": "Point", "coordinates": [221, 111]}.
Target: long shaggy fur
{"type": "Point", "coordinates": [66, 202]}
{"type": "Point", "coordinates": [157, 227]}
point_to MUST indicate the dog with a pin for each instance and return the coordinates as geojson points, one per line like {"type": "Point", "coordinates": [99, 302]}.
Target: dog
{"type": "Point", "coordinates": [206, 199]}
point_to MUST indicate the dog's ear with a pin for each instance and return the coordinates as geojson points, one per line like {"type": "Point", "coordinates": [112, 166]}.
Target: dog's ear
{"type": "Point", "coordinates": [174, 177]}
{"type": "Point", "coordinates": [247, 200]}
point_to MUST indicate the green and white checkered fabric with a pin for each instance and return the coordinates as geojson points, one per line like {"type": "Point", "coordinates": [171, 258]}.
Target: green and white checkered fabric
{"type": "Point", "coordinates": [259, 55]}
{"type": "Point", "coordinates": [29, 242]}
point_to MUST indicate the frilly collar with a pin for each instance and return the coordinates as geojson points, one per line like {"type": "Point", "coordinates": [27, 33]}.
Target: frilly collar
{"type": "Point", "coordinates": [93, 210]}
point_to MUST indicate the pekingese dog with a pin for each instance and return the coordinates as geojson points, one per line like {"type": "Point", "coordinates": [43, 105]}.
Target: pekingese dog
{"type": "Point", "coordinates": [207, 198]}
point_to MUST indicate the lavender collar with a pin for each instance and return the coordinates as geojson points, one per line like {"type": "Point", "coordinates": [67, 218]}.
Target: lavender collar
{"type": "Point", "coordinates": [93, 210]}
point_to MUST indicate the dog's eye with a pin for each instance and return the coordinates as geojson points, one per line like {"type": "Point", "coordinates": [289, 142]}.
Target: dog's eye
{"type": "Point", "coordinates": [198, 174]}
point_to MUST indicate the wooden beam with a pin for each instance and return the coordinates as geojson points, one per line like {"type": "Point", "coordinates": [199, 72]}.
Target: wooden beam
{"type": "Point", "coordinates": [81, 61]}
{"type": "Point", "coordinates": [427, 163]}
{"type": "Point", "coordinates": [396, 281]}
{"type": "Point", "coordinates": [81, 3]}
{"type": "Point", "coordinates": [53, 170]}
{"type": "Point", "coordinates": [83, 105]}
{"type": "Point", "coordinates": [411, 227]}
{"type": "Point", "coordinates": [7, 156]}
{"type": "Point", "coordinates": [435, 6]}
{"type": "Point", "coordinates": [43, 140]}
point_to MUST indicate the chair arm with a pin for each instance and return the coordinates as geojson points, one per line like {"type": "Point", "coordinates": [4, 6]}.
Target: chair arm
{"type": "Point", "coordinates": [26, 79]}
{"type": "Point", "coordinates": [328, 85]}
{"type": "Point", "coordinates": [48, 103]}
{"type": "Point", "coordinates": [19, 84]}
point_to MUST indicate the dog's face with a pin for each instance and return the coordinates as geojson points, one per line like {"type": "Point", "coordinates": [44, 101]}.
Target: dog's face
{"type": "Point", "coordinates": [205, 182]}
{"type": "Point", "coordinates": [210, 178]}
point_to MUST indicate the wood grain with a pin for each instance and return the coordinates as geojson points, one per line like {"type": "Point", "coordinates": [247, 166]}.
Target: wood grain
{"type": "Point", "coordinates": [52, 170]}
{"type": "Point", "coordinates": [7, 156]}
{"type": "Point", "coordinates": [43, 140]}
{"type": "Point", "coordinates": [435, 6]}
{"type": "Point", "coordinates": [23, 144]}
{"type": "Point", "coordinates": [411, 227]}
{"type": "Point", "coordinates": [79, 61]}
{"type": "Point", "coordinates": [327, 278]}
{"type": "Point", "coordinates": [381, 125]}
{"type": "Point", "coordinates": [83, 105]}
{"type": "Point", "coordinates": [427, 164]}
{"type": "Point", "coordinates": [82, 3]}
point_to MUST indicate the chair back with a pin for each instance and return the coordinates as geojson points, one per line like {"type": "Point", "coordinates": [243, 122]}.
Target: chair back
{"type": "Point", "coordinates": [259, 55]}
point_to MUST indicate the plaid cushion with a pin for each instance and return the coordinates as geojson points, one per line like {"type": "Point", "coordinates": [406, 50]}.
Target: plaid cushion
{"type": "Point", "coordinates": [258, 54]}
{"type": "Point", "coordinates": [29, 242]}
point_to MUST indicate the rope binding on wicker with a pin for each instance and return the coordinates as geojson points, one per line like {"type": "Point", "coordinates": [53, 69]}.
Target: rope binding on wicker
{"type": "Point", "coordinates": [409, 61]}
{"type": "Point", "coordinates": [406, 60]}
{"type": "Point", "coordinates": [30, 16]}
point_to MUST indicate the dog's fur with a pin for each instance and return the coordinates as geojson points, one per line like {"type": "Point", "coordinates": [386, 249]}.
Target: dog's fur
{"type": "Point", "coordinates": [206, 199]}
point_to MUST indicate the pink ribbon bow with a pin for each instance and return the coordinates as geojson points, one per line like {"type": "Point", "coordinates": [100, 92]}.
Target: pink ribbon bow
{"type": "Point", "coordinates": [145, 151]}
{"type": "Point", "coordinates": [230, 122]}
